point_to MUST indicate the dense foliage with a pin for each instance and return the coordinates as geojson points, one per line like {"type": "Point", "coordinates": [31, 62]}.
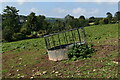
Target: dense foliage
{"type": "Point", "coordinates": [18, 27]}
{"type": "Point", "coordinates": [80, 51]}
{"type": "Point", "coordinates": [10, 22]}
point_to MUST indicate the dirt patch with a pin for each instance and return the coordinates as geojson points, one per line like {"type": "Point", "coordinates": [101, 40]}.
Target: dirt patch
{"type": "Point", "coordinates": [102, 50]}
{"type": "Point", "coordinates": [46, 65]}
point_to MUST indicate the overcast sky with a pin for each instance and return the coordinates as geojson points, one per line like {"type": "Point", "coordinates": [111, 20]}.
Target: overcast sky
{"type": "Point", "coordinates": [61, 9]}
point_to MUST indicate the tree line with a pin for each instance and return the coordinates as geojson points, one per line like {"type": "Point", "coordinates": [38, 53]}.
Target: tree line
{"type": "Point", "coordinates": [18, 27]}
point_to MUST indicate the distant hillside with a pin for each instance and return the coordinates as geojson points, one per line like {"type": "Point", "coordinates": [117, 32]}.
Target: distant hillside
{"type": "Point", "coordinates": [48, 19]}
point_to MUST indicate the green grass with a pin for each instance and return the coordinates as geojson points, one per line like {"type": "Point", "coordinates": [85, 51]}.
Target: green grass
{"type": "Point", "coordinates": [24, 45]}
{"type": "Point", "coordinates": [33, 57]}
{"type": "Point", "coordinates": [95, 34]}
{"type": "Point", "coordinates": [101, 32]}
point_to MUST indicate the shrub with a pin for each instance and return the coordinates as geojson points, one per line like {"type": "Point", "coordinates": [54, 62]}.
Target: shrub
{"type": "Point", "coordinates": [96, 22]}
{"type": "Point", "coordinates": [103, 21]}
{"type": "Point", "coordinates": [34, 34]}
{"type": "Point", "coordinates": [18, 36]}
{"type": "Point", "coordinates": [25, 30]}
{"type": "Point", "coordinates": [7, 33]}
{"type": "Point", "coordinates": [80, 51]}
{"type": "Point", "coordinates": [41, 33]}
{"type": "Point", "coordinates": [106, 21]}
{"type": "Point", "coordinates": [83, 23]}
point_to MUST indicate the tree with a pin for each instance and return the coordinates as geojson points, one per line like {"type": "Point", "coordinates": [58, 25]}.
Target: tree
{"type": "Point", "coordinates": [11, 18]}
{"type": "Point", "coordinates": [75, 23]}
{"type": "Point", "coordinates": [96, 22]}
{"type": "Point", "coordinates": [7, 33]}
{"type": "Point", "coordinates": [25, 29]}
{"type": "Point", "coordinates": [92, 19]}
{"type": "Point", "coordinates": [82, 17]}
{"type": "Point", "coordinates": [109, 17]}
{"type": "Point", "coordinates": [10, 22]}
{"type": "Point", "coordinates": [104, 21]}
{"type": "Point", "coordinates": [69, 20]}
{"type": "Point", "coordinates": [31, 22]}
{"type": "Point", "coordinates": [117, 15]}
{"type": "Point", "coordinates": [49, 27]}
{"type": "Point", "coordinates": [41, 23]}
{"type": "Point", "coordinates": [22, 19]}
{"type": "Point", "coordinates": [83, 23]}
{"type": "Point", "coordinates": [69, 17]}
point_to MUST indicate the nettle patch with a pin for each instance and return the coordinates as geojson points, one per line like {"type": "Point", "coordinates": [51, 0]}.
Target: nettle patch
{"type": "Point", "coordinates": [80, 51]}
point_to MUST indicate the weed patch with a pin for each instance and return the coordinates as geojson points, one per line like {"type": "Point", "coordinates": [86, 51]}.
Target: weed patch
{"type": "Point", "coordinates": [80, 51]}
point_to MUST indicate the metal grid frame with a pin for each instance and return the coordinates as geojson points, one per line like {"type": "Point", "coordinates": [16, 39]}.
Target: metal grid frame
{"type": "Point", "coordinates": [66, 35]}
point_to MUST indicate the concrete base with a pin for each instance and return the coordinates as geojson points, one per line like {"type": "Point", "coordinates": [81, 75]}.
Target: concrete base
{"type": "Point", "coordinates": [57, 55]}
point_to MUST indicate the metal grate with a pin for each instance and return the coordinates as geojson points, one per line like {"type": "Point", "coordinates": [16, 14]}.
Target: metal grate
{"type": "Point", "coordinates": [65, 38]}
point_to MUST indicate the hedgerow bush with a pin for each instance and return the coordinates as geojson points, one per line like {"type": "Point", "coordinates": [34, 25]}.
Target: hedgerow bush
{"type": "Point", "coordinates": [80, 51]}
{"type": "Point", "coordinates": [18, 36]}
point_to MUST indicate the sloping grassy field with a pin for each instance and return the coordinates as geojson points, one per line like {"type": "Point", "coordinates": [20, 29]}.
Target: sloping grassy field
{"type": "Point", "coordinates": [28, 58]}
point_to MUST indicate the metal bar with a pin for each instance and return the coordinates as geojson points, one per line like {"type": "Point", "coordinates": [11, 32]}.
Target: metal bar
{"type": "Point", "coordinates": [62, 32]}
{"type": "Point", "coordinates": [75, 36]}
{"type": "Point", "coordinates": [46, 42]}
{"type": "Point", "coordinates": [79, 35]}
{"type": "Point", "coordinates": [69, 37]}
{"type": "Point", "coordinates": [84, 35]}
{"type": "Point", "coordinates": [49, 42]}
{"type": "Point", "coordinates": [59, 40]}
{"type": "Point", "coordinates": [72, 37]}
{"type": "Point", "coordinates": [53, 41]}
{"type": "Point", "coordinates": [66, 38]}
